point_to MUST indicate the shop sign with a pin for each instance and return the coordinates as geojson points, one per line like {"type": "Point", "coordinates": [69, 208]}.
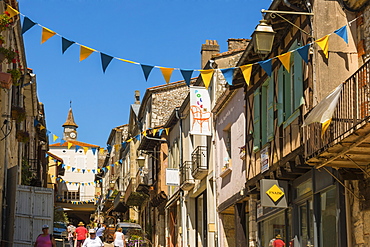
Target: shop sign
{"type": "Point", "coordinates": [264, 159]}
{"type": "Point", "coordinates": [172, 177]}
{"type": "Point", "coordinates": [259, 210]}
{"type": "Point", "coordinates": [273, 193]}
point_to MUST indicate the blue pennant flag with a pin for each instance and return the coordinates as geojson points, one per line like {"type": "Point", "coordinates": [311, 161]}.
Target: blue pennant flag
{"type": "Point", "coordinates": [66, 44]}
{"type": "Point", "coordinates": [35, 122]}
{"type": "Point", "coordinates": [120, 161]}
{"type": "Point", "coordinates": [124, 145]}
{"type": "Point", "coordinates": [138, 137]}
{"type": "Point", "coordinates": [266, 66]}
{"type": "Point", "coordinates": [228, 74]}
{"type": "Point", "coordinates": [63, 165]}
{"type": "Point", "coordinates": [160, 131]}
{"type": "Point", "coordinates": [77, 147]}
{"type": "Point", "coordinates": [303, 52]}
{"type": "Point", "coordinates": [109, 148]}
{"type": "Point", "coordinates": [83, 170]}
{"type": "Point", "coordinates": [93, 150]}
{"type": "Point", "coordinates": [93, 171]}
{"type": "Point", "coordinates": [62, 141]}
{"type": "Point", "coordinates": [73, 169]}
{"type": "Point", "coordinates": [187, 73]}
{"type": "Point", "coordinates": [146, 69]}
{"type": "Point", "coordinates": [27, 24]}
{"type": "Point", "coordinates": [105, 60]}
{"type": "Point", "coordinates": [48, 132]}
{"type": "Point", "coordinates": [343, 33]}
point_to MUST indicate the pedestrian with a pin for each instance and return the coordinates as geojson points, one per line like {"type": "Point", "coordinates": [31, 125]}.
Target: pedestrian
{"type": "Point", "coordinates": [71, 234]}
{"type": "Point", "coordinates": [100, 231]}
{"type": "Point", "coordinates": [271, 243]}
{"type": "Point", "coordinates": [45, 239]}
{"type": "Point", "coordinates": [93, 240]}
{"type": "Point", "coordinates": [278, 242]}
{"type": "Point", "coordinates": [81, 234]}
{"type": "Point", "coordinates": [119, 238]}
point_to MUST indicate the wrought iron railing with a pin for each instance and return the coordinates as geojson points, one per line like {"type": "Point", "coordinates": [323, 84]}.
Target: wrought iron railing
{"type": "Point", "coordinates": [351, 113]}
{"type": "Point", "coordinates": [199, 158]}
{"type": "Point", "coordinates": [185, 173]}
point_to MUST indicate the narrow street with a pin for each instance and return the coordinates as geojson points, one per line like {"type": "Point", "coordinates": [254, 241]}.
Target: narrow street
{"type": "Point", "coordinates": [61, 243]}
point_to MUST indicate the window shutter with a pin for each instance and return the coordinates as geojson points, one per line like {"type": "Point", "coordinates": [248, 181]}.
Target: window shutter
{"type": "Point", "coordinates": [280, 103]}
{"type": "Point", "coordinates": [256, 121]}
{"type": "Point", "coordinates": [287, 94]}
{"type": "Point", "coordinates": [298, 80]}
{"type": "Point", "coordinates": [270, 108]}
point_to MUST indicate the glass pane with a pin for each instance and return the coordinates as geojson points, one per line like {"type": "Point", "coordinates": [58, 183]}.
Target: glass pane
{"type": "Point", "coordinates": [328, 218]}
{"type": "Point", "coordinates": [271, 227]}
{"type": "Point", "coordinates": [303, 224]}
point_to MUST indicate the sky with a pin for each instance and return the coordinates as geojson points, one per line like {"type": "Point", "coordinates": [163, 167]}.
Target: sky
{"type": "Point", "coordinates": [166, 33]}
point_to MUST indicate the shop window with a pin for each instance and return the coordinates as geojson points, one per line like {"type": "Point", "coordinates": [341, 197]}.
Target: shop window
{"type": "Point", "coordinates": [271, 227]}
{"type": "Point", "coordinates": [328, 218]}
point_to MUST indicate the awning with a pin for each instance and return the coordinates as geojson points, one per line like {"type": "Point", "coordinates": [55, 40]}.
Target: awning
{"type": "Point", "coordinates": [72, 187]}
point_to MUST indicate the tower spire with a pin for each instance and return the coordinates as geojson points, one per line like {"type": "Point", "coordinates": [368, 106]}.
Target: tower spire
{"type": "Point", "coordinates": [70, 119]}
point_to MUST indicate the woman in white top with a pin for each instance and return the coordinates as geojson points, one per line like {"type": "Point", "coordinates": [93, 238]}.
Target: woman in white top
{"type": "Point", "coordinates": [119, 238]}
{"type": "Point", "coordinates": [92, 240]}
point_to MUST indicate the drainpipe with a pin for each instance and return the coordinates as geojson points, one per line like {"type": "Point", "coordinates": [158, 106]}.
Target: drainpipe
{"type": "Point", "coordinates": [348, 215]}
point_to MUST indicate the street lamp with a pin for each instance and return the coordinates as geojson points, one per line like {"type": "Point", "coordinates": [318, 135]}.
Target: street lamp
{"type": "Point", "coordinates": [263, 38]}
{"type": "Point", "coordinates": [140, 161]}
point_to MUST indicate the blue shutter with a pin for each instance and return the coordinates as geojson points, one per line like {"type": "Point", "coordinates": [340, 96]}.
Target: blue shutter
{"type": "Point", "coordinates": [280, 99]}
{"type": "Point", "coordinates": [287, 94]}
{"type": "Point", "coordinates": [270, 109]}
{"type": "Point", "coordinates": [256, 121]}
{"type": "Point", "coordinates": [298, 80]}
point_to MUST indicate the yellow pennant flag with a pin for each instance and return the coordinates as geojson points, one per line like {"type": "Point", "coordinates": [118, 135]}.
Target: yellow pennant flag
{"type": "Point", "coordinates": [85, 149]}
{"type": "Point", "coordinates": [155, 131]}
{"type": "Point", "coordinates": [116, 146]}
{"type": "Point", "coordinates": [69, 144]}
{"type": "Point", "coordinates": [167, 72]}
{"type": "Point", "coordinates": [144, 133]}
{"type": "Point", "coordinates": [324, 44]}
{"type": "Point", "coordinates": [247, 71]}
{"type": "Point", "coordinates": [167, 130]}
{"type": "Point", "coordinates": [11, 11]}
{"type": "Point", "coordinates": [55, 138]}
{"type": "Point", "coordinates": [46, 34]}
{"type": "Point", "coordinates": [101, 150]}
{"type": "Point", "coordinates": [206, 76]}
{"type": "Point", "coordinates": [42, 127]}
{"type": "Point", "coordinates": [85, 52]}
{"type": "Point", "coordinates": [68, 167]}
{"type": "Point", "coordinates": [78, 169]}
{"type": "Point", "coordinates": [108, 167]}
{"type": "Point", "coordinates": [324, 126]}
{"type": "Point", "coordinates": [129, 140]}
{"type": "Point", "coordinates": [285, 60]}
{"type": "Point", "coordinates": [88, 170]}
{"type": "Point", "coordinates": [50, 158]}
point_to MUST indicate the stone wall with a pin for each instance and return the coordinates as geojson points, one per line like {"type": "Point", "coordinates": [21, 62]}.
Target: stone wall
{"type": "Point", "coordinates": [366, 34]}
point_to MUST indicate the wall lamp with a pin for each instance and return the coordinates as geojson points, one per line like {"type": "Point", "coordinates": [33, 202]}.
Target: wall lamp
{"type": "Point", "coordinates": [263, 36]}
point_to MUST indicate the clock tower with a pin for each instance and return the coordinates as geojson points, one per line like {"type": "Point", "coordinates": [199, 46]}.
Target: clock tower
{"type": "Point", "coordinates": [70, 133]}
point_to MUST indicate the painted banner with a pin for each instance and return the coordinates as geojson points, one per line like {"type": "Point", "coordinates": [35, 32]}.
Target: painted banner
{"type": "Point", "coordinates": [200, 111]}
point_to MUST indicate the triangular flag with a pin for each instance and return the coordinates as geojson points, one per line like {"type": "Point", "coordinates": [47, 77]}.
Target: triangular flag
{"type": "Point", "coordinates": [160, 132]}
{"type": "Point", "coordinates": [144, 133]}
{"type": "Point", "coordinates": [325, 126]}
{"type": "Point", "coordinates": [228, 74]}
{"type": "Point", "coordinates": [206, 76]}
{"type": "Point", "coordinates": [167, 72]}
{"type": "Point", "coordinates": [55, 138]}
{"type": "Point", "coordinates": [46, 34]}
{"type": "Point", "coordinates": [155, 131]}
{"type": "Point", "coordinates": [138, 137]}
{"type": "Point", "coordinates": [101, 150]}
{"type": "Point", "coordinates": [108, 167]}
{"type": "Point", "coordinates": [117, 146]}
{"type": "Point", "coordinates": [85, 149]}
{"type": "Point", "coordinates": [167, 130]}
{"type": "Point", "coordinates": [247, 71]}
{"type": "Point", "coordinates": [324, 44]}
{"type": "Point", "coordinates": [11, 11]}
{"type": "Point", "coordinates": [77, 147]}
{"type": "Point", "coordinates": [105, 60]}
{"type": "Point", "coordinates": [187, 73]}
{"type": "Point", "coordinates": [73, 169]}
{"type": "Point", "coordinates": [47, 131]}
{"type": "Point", "coordinates": [303, 52]}
{"type": "Point", "coordinates": [88, 170]}
{"type": "Point", "coordinates": [109, 148]}
{"type": "Point", "coordinates": [129, 140]}
{"type": "Point", "coordinates": [66, 44]}
{"type": "Point", "coordinates": [27, 24]}
{"type": "Point", "coordinates": [78, 169]}
{"type": "Point", "coordinates": [35, 122]}
{"type": "Point", "coordinates": [83, 171]}
{"type": "Point", "coordinates": [69, 144]}
{"type": "Point", "coordinates": [266, 66]}
{"type": "Point", "coordinates": [285, 60]}
{"type": "Point", "coordinates": [343, 33]}
{"type": "Point", "coordinates": [62, 141]}
{"type": "Point", "coordinates": [68, 167]}
{"type": "Point", "coordinates": [42, 127]}
{"type": "Point", "coordinates": [93, 170]}
{"type": "Point", "coordinates": [93, 150]}
{"type": "Point", "coordinates": [146, 69]}
{"type": "Point", "coordinates": [85, 52]}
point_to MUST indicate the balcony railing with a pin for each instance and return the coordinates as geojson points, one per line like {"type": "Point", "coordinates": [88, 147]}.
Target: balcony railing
{"type": "Point", "coordinates": [200, 162]}
{"type": "Point", "coordinates": [186, 179]}
{"type": "Point", "coordinates": [351, 113]}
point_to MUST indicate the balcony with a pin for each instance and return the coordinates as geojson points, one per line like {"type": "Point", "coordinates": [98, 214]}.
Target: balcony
{"type": "Point", "coordinates": [346, 143]}
{"type": "Point", "coordinates": [186, 179]}
{"type": "Point", "coordinates": [200, 162]}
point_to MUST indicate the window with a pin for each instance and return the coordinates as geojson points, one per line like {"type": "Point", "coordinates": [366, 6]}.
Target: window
{"type": "Point", "coordinates": [227, 136]}
{"type": "Point", "coordinates": [290, 89]}
{"type": "Point", "coordinates": [72, 195]}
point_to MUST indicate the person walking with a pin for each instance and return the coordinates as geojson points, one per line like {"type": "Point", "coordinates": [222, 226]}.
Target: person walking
{"type": "Point", "coordinates": [81, 234]}
{"type": "Point", "coordinates": [45, 239]}
{"type": "Point", "coordinates": [100, 231]}
{"type": "Point", "coordinates": [119, 238]}
{"type": "Point", "coordinates": [93, 240]}
{"type": "Point", "coordinates": [278, 242]}
{"type": "Point", "coordinates": [71, 234]}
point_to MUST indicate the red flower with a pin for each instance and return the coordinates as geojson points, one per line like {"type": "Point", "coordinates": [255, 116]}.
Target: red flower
{"type": "Point", "coordinates": [7, 13]}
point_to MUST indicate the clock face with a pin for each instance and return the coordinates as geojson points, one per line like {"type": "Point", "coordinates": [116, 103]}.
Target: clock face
{"type": "Point", "coordinates": [72, 135]}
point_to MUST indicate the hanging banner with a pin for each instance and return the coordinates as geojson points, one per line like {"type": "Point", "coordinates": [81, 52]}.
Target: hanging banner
{"type": "Point", "coordinates": [172, 177]}
{"type": "Point", "coordinates": [200, 111]}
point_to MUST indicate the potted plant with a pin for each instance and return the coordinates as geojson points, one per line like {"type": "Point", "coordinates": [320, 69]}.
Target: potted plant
{"type": "Point", "coordinates": [16, 75]}
{"type": "Point", "coordinates": [22, 136]}
{"type": "Point", "coordinates": [18, 114]}
{"type": "Point", "coordinates": [5, 80]}
{"type": "Point", "coordinates": [5, 22]}
{"type": "Point", "coordinates": [9, 54]}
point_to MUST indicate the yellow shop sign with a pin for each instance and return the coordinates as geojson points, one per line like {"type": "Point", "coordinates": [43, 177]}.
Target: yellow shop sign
{"type": "Point", "coordinates": [275, 193]}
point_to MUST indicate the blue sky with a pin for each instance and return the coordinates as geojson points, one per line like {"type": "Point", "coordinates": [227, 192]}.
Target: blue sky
{"type": "Point", "coordinates": [166, 33]}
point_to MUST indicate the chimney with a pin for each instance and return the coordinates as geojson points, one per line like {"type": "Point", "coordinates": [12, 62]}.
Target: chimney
{"type": "Point", "coordinates": [236, 44]}
{"type": "Point", "coordinates": [210, 48]}
{"type": "Point", "coordinates": [137, 97]}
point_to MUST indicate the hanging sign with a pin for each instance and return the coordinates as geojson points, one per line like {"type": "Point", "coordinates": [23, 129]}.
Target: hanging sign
{"type": "Point", "coordinates": [274, 193]}
{"type": "Point", "coordinates": [200, 111]}
{"type": "Point", "coordinates": [172, 177]}
{"type": "Point", "coordinates": [265, 159]}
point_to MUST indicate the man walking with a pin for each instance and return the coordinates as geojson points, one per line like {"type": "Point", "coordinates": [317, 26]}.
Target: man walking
{"type": "Point", "coordinates": [100, 231]}
{"type": "Point", "coordinates": [81, 233]}
{"type": "Point", "coordinates": [71, 234]}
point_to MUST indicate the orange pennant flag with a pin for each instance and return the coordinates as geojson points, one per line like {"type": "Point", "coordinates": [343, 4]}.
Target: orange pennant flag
{"type": "Point", "coordinates": [69, 145]}
{"type": "Point", "coordinates": [11, 11]}
{"type": "Point", "coordinates": [85, 149]}
{"type": "Point", "coordinates": [247, 71]}
{"type": "Point", "coordinates": [324, 44]}
{"type": "Point", "coordinates": [285, 60]}
{"type": "Point", "coordinates": [206, 76]}
{"type": "Point", "coordinates": [46, 34]}
{"type": "Point", "coordinates": [167, 72]}
{"type": "Point", "coordinates": [85, 52]}
{"type": "Point", "coordinates": [42, 127]}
